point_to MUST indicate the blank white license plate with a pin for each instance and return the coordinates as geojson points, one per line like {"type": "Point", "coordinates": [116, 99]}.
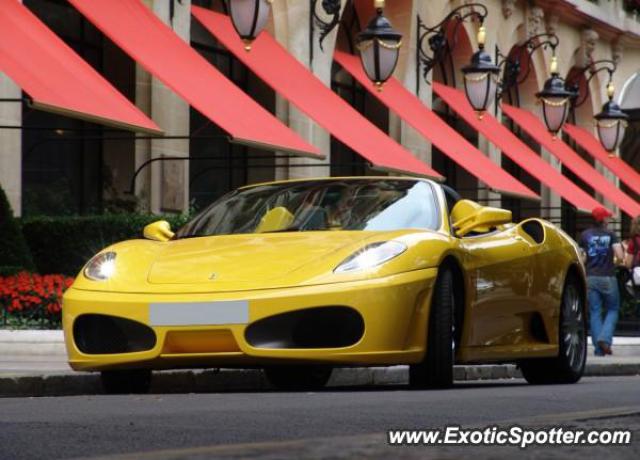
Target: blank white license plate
{"type": "Point", "coordinates": [199, 313]}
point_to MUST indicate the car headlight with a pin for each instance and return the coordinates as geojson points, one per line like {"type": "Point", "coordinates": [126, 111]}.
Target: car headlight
{"type": "Point", "coordinates": [371, 256]}
{"type": "Point", "coordinates": [101, 267]}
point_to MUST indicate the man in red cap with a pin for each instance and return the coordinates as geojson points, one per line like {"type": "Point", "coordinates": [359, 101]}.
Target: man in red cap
{"type": "Point", "coordinates": [599, 245]}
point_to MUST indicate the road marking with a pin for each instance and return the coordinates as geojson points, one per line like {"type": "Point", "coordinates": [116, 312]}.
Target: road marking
{"type": "Point", "coordinates": [245, 448]}
{"type": "Point", "coordinates": [611, 412]}
{"type": "Point", "coordinates": [254, 449]}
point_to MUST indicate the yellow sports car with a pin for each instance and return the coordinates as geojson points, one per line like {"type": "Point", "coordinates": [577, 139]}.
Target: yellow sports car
{"type": "Point", "coordinates": [302, 276]}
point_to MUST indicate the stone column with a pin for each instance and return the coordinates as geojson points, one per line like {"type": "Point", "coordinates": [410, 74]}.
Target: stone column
{"type": "Point", "coordinates": [164, 187]}
{"type": "Point", "coordinates": [292, 30]}
{"type": "Point", "coordinates": [408, 136]}
{"type": "Point", "coordinates": [11, 143]}
{"type": "Point", "coordinates": [549, 198]}
{"type": "Point", "coordinates": [118, 156]}
{"type": "Point", "coordinates": [144, 182]}
{"type": "Point", "coordinates": [490, 150]}
{"type": "Point", "coordinates": [611, 177]}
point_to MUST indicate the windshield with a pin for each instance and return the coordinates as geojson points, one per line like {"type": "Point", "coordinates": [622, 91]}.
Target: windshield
{"type": "Point", "coordinates": [353, 204]}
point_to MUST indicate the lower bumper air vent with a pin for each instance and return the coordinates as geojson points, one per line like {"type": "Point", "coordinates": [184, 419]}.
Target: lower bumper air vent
{"type": "Point", "coordinates": [102, 334]}
{"type": "Point", "coordinates": [320, 327]}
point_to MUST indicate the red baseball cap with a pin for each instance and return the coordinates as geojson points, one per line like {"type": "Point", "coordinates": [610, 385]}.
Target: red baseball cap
{"type": "Point", "coordinates": [599, 213]}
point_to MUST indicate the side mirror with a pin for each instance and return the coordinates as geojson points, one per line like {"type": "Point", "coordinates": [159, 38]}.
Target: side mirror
{"type": "Point", "coordinates": [468, 216]}
{"type": "Point", "coordinates": [158, 231]}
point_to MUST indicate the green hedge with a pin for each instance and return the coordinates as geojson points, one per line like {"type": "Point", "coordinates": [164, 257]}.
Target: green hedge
{"type": "Point", "coordinates": [64, 244]}
{"type": "Point", "coordinates": [10, 270]}
{"type": "Point", "coordinates": [14, 252]}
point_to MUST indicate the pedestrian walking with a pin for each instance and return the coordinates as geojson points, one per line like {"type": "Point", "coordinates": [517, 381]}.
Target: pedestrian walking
{"type": "Point", "coordinates": [600, 245]}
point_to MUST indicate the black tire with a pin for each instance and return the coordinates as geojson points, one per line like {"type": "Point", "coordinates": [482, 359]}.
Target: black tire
{"type": "Point", "coordinates": [436, 369]}
{"type": "Point", "coordinates": [298, 378]}
{"type": "Point", "coordinates": [568, 366]}
{"type": "Point", "coordinates": [136, 381]}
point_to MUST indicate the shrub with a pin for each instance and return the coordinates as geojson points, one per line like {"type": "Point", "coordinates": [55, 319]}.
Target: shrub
{"type": "Point", "coordinates": [14, 252]}
{"type": "Point", "coordinates": [30, 300]}
{"type": "Point", "coordinates": [9, 270]}
{"type": "Point", "coordinates": [64, 244]}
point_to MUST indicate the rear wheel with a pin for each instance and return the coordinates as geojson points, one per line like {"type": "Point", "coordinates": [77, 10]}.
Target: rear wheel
{"type": "Point", "coordinates": [436, 369]}
{"type": "Point", "coordinates": [298, 378]}
{"type": "Point", "coordinates": [568, 366]}
{"type": "Point", "coordinates": [135, 381]}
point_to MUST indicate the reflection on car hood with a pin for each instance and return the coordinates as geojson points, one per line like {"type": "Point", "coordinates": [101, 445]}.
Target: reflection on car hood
{"type": "Point", "coordinates": [255, 258]}
{"type": "Point", "coordinates": [234, 263]}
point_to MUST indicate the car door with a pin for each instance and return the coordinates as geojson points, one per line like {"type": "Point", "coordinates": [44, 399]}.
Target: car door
{"type": "Point", "coordinates": [500, 267]}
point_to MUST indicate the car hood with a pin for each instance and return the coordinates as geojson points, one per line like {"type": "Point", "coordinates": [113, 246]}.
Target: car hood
{"type": "Point", "coordinates": [245, 258]}
{"type": "Point", "coordinates": [251, 262]}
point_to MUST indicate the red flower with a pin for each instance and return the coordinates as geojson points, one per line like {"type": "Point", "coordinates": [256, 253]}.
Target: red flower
{"type": "Point", "coordinates": [33, 295]}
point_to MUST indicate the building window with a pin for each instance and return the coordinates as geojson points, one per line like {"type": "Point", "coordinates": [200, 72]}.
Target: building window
{"type": "Point", "coordinates": [344, 161]}
{"type": "Point", "coordinates": [68, 165]}
{"type": "Point", "coordinates": [218, 166]}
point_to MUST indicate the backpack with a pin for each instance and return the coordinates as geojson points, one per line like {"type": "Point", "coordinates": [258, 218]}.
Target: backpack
{"type": "Point", "coordinates": [636, 257]}
{"type": "Point", "coordinates": [635, 264]}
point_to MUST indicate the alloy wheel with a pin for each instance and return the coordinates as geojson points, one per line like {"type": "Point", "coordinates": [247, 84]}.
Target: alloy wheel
{"type": "Point", "coordinates": [573, 331]}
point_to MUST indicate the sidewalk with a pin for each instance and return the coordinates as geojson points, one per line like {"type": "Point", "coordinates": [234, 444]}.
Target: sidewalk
{"type": "Point", "coordinates": [33, 363]}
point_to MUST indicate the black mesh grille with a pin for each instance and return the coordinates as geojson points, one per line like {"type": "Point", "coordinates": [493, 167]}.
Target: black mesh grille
{"type": "Point", "coordinates": [102, 334]}
{"type": "Point", "coordinates": [320, 327]}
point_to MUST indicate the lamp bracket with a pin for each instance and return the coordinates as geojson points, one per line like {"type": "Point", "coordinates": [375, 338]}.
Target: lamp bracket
{"type": "Point", "coordinates": [512, 75]}
{"type": "Point", "coordinates": [436, 37]}
{"type": "Point", "coordinates": [172, 10]}
{"type": "Point", "coordinates": [332, 9]}
{"type": "Point", "coordinates": [589, 71]}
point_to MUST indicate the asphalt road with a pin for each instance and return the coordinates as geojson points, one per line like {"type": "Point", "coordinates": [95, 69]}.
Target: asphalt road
{"type": "Point", "coordinates": [338, 423]}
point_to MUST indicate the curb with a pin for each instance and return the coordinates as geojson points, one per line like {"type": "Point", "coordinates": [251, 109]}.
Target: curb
{"type": "Point", "coordinates": [253, 380]}
{"type": "Point", "coordinates": [32, 343]}
{"type": "Point", "coordinates": [31, 336]}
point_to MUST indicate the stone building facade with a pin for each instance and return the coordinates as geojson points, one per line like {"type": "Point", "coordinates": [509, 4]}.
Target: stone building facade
{"type": "Point", "coordinates": [53, 165]}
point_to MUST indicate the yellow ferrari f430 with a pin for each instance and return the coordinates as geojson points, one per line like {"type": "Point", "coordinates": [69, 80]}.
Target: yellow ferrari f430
{"type": "Point", "coordinates": [300, 277]}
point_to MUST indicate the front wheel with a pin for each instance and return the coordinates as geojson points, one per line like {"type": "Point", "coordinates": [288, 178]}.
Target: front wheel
{"type": "Point", "coordinates": [135, 381]}
{"type": "Point", "coordinates": [436, 369]}
{"type": "Point", "coordinates": [568, 366]}
{"type": "Point", "coordinates": [298, 378]}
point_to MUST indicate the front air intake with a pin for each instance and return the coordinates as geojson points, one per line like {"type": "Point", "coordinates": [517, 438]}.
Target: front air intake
{"type": "Point", "coordinates": [102, 335]}
{"type": "Point", "coordinates": [320, 327]}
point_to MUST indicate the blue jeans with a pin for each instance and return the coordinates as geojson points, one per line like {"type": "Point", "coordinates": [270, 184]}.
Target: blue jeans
{"type": "Point", "coordinates": [603, 297]}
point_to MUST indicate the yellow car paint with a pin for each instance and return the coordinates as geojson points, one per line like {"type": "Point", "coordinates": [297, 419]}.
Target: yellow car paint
{"type": "Point", "coordinates": [510, 280]}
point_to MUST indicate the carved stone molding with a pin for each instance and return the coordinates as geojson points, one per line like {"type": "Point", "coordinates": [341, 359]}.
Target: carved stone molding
{"type": "Point", "coordinates": [535, 21]}
{"type": "Point", "coordinates": [508, 7]}
{"type": "Point", "coordinates": [589, 39]}
{"type": "Point", "coordinates": [617, 51]}
{"type": "Point", "coordinates": [552, 24]}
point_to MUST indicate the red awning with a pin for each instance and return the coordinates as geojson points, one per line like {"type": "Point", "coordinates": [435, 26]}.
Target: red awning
{"type": "Point", "coordinates": [434, 129]}
{"type": "Point", "coordinates": [273, 64]}
{"type": "Point", "coordinates": [515, 149]}
{"type": "Point", "coordinates": [56, 78]}
{"type": "Point", "coordinates": [141, 34]}
{"type": "Point", "coordinates": [570, 159]}
{"type": "Point", "coordinates": [615, 164]}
